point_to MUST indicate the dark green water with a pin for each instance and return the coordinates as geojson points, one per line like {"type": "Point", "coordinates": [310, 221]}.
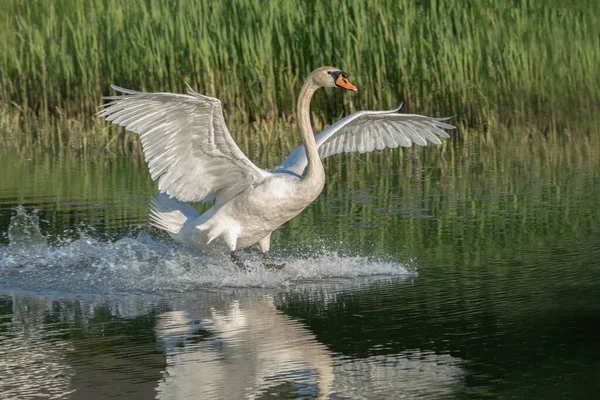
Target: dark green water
{"type": "Point", "coordinates": [455, 272]}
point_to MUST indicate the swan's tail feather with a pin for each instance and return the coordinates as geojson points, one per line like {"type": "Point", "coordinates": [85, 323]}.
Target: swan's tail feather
{"type": "Point", "coordinates": [169, 214]}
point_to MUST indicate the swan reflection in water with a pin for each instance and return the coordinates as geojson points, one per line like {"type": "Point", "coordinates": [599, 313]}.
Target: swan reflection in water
{"type": "Point", "coordinates": [244, 347]}
{"type": "Point", "coordinates": [214, 345]}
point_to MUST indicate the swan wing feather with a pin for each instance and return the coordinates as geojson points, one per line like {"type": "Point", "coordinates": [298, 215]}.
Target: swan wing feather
{"type": "Point", "coordinates": [366, 131]}
{"type": "Point", "coordinates": [186, 143]}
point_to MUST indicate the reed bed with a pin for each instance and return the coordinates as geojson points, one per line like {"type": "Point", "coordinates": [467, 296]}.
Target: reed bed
{"type": "Point", "coordinates": [491, 65]}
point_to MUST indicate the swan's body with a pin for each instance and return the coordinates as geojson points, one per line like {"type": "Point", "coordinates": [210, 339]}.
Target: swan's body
{"type": "Point", "coordinates": [194, 158]}
{"type": "Point", "coordinates": [244, 220]}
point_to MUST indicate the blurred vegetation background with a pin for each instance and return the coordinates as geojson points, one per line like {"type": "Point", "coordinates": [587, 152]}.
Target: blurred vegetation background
{"type": "Point", "coordinates": [498, 65]}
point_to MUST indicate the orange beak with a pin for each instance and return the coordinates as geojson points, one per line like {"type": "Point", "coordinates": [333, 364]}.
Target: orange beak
{"type": "Point", "coordinates": [345, 83]}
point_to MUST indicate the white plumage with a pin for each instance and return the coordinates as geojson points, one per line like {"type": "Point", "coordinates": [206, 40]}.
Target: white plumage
{"type": "Point", "coordinates": [366, 131]}
{"type": "Point", "coordinates": [191, 153]}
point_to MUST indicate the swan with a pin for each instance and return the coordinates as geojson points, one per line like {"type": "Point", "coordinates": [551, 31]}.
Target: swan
{"type": "Point", "coordinates": [191, 153]}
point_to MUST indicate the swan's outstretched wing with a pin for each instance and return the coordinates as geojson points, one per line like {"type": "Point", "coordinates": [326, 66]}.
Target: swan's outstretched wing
{"type": "Point", "coordinates": [186, 143]}
{"type": "Point", "coordinates": [366, 131]}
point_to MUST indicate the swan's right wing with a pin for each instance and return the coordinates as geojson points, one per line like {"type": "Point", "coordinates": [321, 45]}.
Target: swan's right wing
{"type": "Point", "coordinates": [187, 145]}
{"type": "Point", "coordinates": [366, 131]}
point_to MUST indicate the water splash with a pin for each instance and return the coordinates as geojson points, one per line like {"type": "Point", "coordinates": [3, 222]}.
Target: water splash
{"type": "Point", "coordinates": [141, 264]}
{"type": "Point", "coordinates": [24, 232]}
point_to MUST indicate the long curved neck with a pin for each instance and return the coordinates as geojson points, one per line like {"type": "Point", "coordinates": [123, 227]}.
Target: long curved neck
{"type": "Point", "coordinates": [315, 170]}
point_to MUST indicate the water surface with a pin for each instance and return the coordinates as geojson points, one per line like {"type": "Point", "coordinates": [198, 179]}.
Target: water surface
{"type": "Point", "coordinates": [455, 272]}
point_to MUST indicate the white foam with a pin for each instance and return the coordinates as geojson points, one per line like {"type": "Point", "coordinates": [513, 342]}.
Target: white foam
{"type": "Point", "coordinates": [142, 264]}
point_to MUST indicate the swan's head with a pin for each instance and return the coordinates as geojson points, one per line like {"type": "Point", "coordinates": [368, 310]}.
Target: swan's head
{"type": "Point", "coordinates": [332, 77]}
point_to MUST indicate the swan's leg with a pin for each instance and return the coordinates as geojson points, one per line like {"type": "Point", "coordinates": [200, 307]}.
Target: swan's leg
{"type": "Point", "coordinates": [270, 263]}
{"type": "Point", "coordinates": [264, 245]}
{"type": "Point", "coordinates": [239, 262]}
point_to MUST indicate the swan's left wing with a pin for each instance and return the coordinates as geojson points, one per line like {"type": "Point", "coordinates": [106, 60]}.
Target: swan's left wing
{"type": "Point", "coordinates": [366, 131]}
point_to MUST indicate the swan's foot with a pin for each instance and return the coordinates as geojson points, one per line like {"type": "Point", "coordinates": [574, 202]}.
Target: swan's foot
{"type": "Point", "coordinates": [270, 263]}
{"type": "Point", "coordinates": [239, 262]}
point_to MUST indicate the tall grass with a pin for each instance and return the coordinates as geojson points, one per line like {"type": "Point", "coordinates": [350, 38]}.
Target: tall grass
{"type": "Point", "coordinates": [521, 64]}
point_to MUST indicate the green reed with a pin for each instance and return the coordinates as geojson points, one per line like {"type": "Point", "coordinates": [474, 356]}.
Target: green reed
{"type": "Point", "coordinates": [514, 65]}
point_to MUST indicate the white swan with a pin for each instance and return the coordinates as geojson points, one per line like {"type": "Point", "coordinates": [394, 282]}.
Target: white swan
{"type": "Point", "coordinates": [191, 153]}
